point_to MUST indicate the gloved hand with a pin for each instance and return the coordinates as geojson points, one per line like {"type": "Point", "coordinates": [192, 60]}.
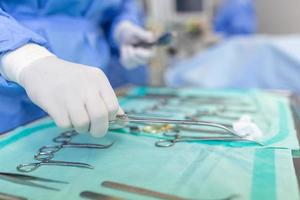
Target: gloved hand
{"type": "Point", "coordinates": [127, 34]}
{"type": "Point", "coordinates": [74, 95]}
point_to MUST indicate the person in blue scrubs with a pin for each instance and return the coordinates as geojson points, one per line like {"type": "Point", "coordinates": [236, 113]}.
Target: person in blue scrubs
{"type": "Point", "coordinates": [235, 17]}
{"type": "Point", "coordinates": [55, 57]}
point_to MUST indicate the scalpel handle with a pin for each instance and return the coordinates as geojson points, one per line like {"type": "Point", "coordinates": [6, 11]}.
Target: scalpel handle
{"type": "Point", "coordinates": [97, 196]}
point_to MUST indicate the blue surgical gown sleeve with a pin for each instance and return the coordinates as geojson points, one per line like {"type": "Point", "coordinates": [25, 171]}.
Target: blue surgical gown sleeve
{"type": "Point", "coordinates": [14, 35]}
{"type": "Point", "coordinates": [15, 107]}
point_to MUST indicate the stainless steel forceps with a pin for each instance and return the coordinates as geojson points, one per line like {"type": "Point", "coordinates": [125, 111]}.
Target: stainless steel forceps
{"type": "Point", "coordinates": [177, 137]}
{"type": "Point", "coordinates": [123, 120]}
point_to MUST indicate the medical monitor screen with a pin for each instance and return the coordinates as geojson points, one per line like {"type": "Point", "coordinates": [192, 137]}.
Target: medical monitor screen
{"type": "Point", "coordinates": [185, 6]}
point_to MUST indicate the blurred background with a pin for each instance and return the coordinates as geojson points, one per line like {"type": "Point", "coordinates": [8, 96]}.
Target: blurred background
{"type": "Point", "coordinates": [227, 43]}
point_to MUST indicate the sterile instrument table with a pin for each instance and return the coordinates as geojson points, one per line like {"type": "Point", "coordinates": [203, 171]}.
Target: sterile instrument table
{"type": "Point", "coordinates": [192, 170]}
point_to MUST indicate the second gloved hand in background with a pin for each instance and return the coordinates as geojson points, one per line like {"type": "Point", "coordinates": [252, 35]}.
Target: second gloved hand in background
{"type": "Point", "coordinates": [127, 35]}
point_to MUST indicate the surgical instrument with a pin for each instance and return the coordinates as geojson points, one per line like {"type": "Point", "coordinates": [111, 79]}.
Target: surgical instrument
{"type": "Point", "coordinates": [29, 167]}
{"type": "Point", "coordinates": [168, 130]}
{"type": "Point", "coordinates": [151, 193]}
{"type": "Point", "coordinates": [46, 153]}
{"type": "Point", "coordinates": [124, 119]}
{"type": "Point", "coordinates": [26, 180]}
{"type": "Point", "coordinates": [139, 190]}
{"type": "Point", "coordinates": [97, 196]}
{"type": "Point", "coordinates": [194, 99]}
{"type": "Point", "coordinates": [222, 111]}
{"type": "Point", "coordinates": [160, 129]}
{"type": "Point", "coordinates": [145, 112]}
{"type": "Point", "coordinates": [176, 137]}
{"type": "Point", "coordinates": [54, 148]}
{"type": "Point", "coordinates": [166, 109]}
{"type": "Point", "coordinates": [205, 114]}
{"type": "Point", "coordinates": [65, 142]}
{"type": "Point", "coordinates": [4, 196]}
{"type": "Point", "coordinates": [175, 94]}
{"type": "Point", "coordinates": [197, 117]}
{"type": "Point", "coordinates": [66, 137]}
{"type": "Point", "coordinates": [217, 110]}
{"type": "Point", "coordinates": [164, 39]}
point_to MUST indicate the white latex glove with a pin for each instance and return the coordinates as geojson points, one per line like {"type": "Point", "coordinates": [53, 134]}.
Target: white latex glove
{"type": "Point", "coordinates": [127, 34]}
{"type": "Point", "coordinates": [74, 95]}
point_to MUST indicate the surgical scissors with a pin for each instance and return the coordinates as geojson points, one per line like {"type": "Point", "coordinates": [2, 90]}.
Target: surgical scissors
{"type": "Point", "coordinates": [65, 142]}
{"type": "Point", "coordinates": [46, 153]}
{"type": "Point", "coordinates": [29, 167]}
{"type": "Point", "coordinates": [176, 137]}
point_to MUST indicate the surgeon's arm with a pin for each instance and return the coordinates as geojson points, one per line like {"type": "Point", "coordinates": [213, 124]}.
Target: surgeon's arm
{"type": "Point", "coordinates": [13, 35]}
{"type": "Point", "coordinates": [74, 95]}
{"type": "Point", "coordinates": [127, 30]}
